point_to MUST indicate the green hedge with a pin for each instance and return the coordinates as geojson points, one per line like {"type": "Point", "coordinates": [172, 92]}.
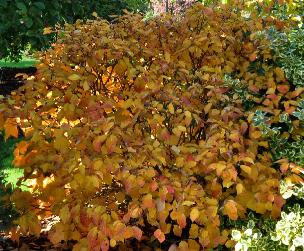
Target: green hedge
{"type": "Point", "coordinates": [22, 21]}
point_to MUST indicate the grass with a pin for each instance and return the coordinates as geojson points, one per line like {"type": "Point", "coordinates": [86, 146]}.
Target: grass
{"type": "Point", "coordinates": [23, 63]}
{"type": "Point", "coordinates": [9, 173]}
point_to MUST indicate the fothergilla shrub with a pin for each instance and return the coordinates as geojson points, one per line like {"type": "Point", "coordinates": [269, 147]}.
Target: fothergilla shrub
{"type": "Point", "coordinates": [132, 130]}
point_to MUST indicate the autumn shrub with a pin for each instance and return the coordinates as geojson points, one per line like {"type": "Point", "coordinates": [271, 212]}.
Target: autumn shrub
{"type": "Point", "coordinates": [145, 130]}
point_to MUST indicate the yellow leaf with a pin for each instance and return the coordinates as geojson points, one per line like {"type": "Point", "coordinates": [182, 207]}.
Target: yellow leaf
{"type": "Point", "coordinates": [167, 56]}
{"type": "Point", "coordinates": [56, 235]}
{"type": "Point", "coordinates": [279, 73]}
{"type": "Point", "coordinates": [188, 114]}
{"type": "Point", "coordinates": [112, 243]}
{"type": "Point", "coordinates": [246, 169]}
{"type": "Point", "coordinates": [64, 214]}
{"type": "Point", "coordinates": [193, 232]}
{"type": "Point", "coordinates": [239, 188]}
{"type": "Point", "coordinates": [247, 159]}
{"type": "Point", "coordinates": [61, 144]}
{"type": "Point", "coordinates": [188, 203]}
{"type": "Point", "coordinates": [193, 245]}
{"type": "Point", "coordinates": [94, 181]}
{"type": "Point", "coordinates": [47, 30]}
{"type": "Point", "coordinates": [74, 77]}
{"type": "Point", "coordinates": [86, 86]}
{"type": "Point", "coordinates": [204, 238]}
{"type": "Point", "coordinates": [98, 141]}
{"type": "Point", "coordinates": [219, 168]}
{"type": "Point", "coordinates": [177, 230]}
{"type": "Point", "coordinates": [194, 214]}
{"type": "Point", "coordinates": [181, 128]}
{"type": "Point", "coordinates": [207, 108]}
{"type": "Point", "coordinates": [171, 108]}
{"type": "Point", "coordinates": [94, 14]}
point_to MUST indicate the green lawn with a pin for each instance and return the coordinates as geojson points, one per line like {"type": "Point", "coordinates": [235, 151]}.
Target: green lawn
{"type": "Point", "coordinates": [9, 173]}
{"type": "Point", "coordinates": [23, 63]}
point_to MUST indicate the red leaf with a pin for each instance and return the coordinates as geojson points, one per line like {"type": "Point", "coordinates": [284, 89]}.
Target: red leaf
{"type": "Point", "coordinates": [283, 88]}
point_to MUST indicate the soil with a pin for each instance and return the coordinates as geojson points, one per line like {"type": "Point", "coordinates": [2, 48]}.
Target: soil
{"type": "Point", "coordinates": [8, 80]}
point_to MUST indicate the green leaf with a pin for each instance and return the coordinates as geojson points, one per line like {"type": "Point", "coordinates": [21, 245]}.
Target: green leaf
{"type": "Point", "coordinates": [40, 5]}
{"type": "Point", "coordinates": [28, 22]}
{"type": "Point", "coordinates": [21, 6]}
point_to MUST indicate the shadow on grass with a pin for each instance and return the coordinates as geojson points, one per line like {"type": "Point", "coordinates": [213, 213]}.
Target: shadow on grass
{"type": "Point", "coordinates": [9, 176]}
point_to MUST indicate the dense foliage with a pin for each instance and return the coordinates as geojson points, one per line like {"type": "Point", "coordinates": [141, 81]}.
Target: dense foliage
{"type": "Point", "coordinates": [154, 130]}
{"type": "Point", "coordinates": [22, 21]}
{"type": "Point", "coordinates": [284, 235]}
{"type": "Point", "coordinates": [287, 233]}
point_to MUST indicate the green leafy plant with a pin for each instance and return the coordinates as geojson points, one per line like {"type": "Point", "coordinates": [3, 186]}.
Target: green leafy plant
{"type": "Point", "coordinates": [266, 234]}
{"type": "Point", "coordinates": [289, 231]}
{"type": "Point", "coordinates": [139, 5]}
{"type": "Point", "coordinates": [289, 50]}
{"type": "Point", "coordinates": [23, 22]}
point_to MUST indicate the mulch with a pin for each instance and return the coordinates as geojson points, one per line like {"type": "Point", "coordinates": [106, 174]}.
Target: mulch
{"type": "Point", "coordinates": [32, 243]}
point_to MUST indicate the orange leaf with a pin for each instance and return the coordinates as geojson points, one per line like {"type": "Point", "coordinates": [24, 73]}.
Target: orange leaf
{"type": "Point", "coordinates": [98, 141]}
{"type": "Point", "coordinates": [283, 88]}
{"type": "Point", "coordinates": [137, 232]}
{"type": "Point", "coordinates": [253, 57]}
{"type": "Point", "coordinates": [230, 209]}
{"type": "Point", "coordinates": [159, 235]}
{"type": "Point", "coordinates": [21, 148]}
{"type": "Point", "coordinates": [111, 143]}
{"type": "Point", "coordinates": [147, 201]}
{"type": "Point", "coordinates": [181, 220]}
{"type": "Point", "coordinates": [10, 127]}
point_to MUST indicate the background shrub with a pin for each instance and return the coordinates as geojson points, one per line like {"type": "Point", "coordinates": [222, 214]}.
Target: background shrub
{"type": "Point", "coordinates": [22, 22]}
